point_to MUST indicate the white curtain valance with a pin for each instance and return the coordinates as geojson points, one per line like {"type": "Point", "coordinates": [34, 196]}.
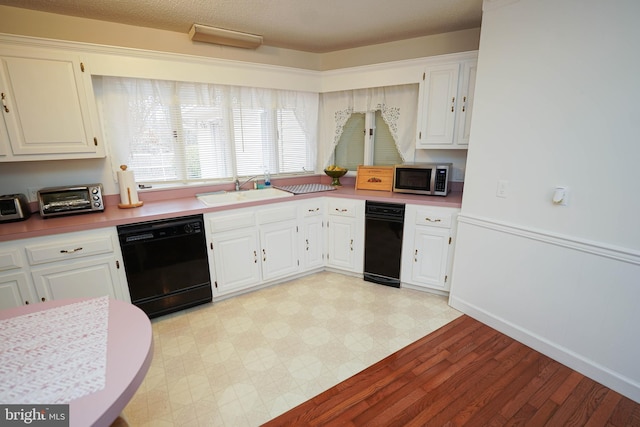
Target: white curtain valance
{"type": "Point", "coordinates": [157, 105]}
{"type": "Point", "coordinates": [398, 106]}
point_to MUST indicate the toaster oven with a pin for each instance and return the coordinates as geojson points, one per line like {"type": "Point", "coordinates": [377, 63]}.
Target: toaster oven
{"type": "Point", "coordinates": [57, 201]}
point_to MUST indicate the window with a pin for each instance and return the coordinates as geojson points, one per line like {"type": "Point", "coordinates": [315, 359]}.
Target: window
{"type": "Point", "coordinates": [389, 114]}
{"type": "Point", "coordinates": [178, 132]}
{"type": "Point", "coordinates": [366, 140]}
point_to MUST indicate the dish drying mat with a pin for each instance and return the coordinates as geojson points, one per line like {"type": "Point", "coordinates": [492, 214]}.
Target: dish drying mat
{"type": "Point", "coordinates": [305, 188]}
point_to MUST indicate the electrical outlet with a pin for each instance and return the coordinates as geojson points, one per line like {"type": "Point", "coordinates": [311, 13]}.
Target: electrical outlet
{"type": "Point", "coordinates": [503, 189]}
{"type": "Point", "coordinates": [33, 194]}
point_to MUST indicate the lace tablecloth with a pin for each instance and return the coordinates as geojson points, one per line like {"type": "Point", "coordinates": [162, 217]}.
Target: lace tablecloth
{"type": "Point", "coordinates": [56, 355]}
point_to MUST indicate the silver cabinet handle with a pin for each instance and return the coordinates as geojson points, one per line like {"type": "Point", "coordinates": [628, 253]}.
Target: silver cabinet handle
{"type": "Point", "coordinates": [264, 255]}
{"type": "Point", "coordinates": [255, 257]}
{"type": "Point", "coordinates": [432, 220]}
{"type": "Point", "coordinates": [351, 245]}
{"type": "Point", "coordinates": [64, 251]}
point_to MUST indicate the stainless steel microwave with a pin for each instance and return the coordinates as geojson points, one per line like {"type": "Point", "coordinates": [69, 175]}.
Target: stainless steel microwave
{"type": "Point", "coordinates": [422, 178]}
{"type": "Point", "coordinates": [56, 201]}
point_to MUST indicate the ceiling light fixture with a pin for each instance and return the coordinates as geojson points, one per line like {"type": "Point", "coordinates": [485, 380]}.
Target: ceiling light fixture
{"type": "Point", "coordinates": [203, 33]}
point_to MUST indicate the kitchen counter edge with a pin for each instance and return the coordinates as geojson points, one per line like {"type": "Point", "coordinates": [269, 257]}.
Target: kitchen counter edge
{"type": "Point", "coordinates": [113, 216]}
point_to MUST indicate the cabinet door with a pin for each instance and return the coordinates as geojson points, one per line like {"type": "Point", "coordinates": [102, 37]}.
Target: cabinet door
{"type": "Point", "coordinates": [4, 140]}
{"type": "Point", "coordinates": [465, 104]}
{"type": "Point", "coordinates": [236, 260]}
{"type": "Point", "coordinates": [15, 290]}
{"type": "Point", "coordinates": [430, 257]}
{"type": "Point", "coordinates": [86, 278]}
{"type": "Point", "coordinates": [313, 243]}
{"type": "Point", "coordinates": [438, 105]}
{"type": "Point", "coordinates": [46, 105]}
{"type": "Point", "coordinates": [341, 252]}
{"type": "Point", "coordinates": [279, 249]}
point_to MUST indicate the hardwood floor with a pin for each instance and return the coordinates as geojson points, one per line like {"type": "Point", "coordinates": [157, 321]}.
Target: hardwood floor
{"type": "Point", "coordinates": [466, 373]}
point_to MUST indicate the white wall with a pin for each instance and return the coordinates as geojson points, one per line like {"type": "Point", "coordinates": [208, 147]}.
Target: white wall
{"type": "Point", "coordinates": [556, 104]}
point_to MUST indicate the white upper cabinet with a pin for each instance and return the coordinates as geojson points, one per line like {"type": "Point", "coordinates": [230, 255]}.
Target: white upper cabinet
{"type": "Point", "coordinates": [48, 108]}
{"type": "Point", "coordinates": [446, 103]}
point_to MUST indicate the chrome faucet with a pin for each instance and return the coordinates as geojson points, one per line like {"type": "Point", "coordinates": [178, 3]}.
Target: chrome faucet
{"type": "Point", "coordinates": [239, 185]}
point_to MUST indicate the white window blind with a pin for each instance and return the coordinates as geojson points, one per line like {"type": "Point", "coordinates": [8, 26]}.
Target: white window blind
{"type": "Point", "coordinates": [366, 140]}
{"type": "Point", "coordinates": [350, 148]}
{"type": "Point", "coordinates": [188, 132]}
{"type": "Point", "coordinates": [385, 151]}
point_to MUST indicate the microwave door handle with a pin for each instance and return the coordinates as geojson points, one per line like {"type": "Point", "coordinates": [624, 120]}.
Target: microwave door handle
{"type": "Point", "coordinates": [432, 184]}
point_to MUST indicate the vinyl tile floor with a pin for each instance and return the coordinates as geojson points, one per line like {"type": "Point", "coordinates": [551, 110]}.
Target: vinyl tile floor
{"type": "Point", "coordinates": [247, 359]}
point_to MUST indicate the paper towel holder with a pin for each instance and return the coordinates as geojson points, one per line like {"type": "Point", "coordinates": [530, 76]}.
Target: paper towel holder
{"type": "Point", "coordinates": [128, 197]}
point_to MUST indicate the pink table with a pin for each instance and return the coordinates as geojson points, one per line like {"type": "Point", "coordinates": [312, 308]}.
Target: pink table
{"type": "Point", "coordinates": [129, 354]}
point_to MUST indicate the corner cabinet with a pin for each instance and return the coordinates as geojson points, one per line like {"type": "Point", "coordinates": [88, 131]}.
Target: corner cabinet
{"type": "Point", "coordinates": [427, 247]}
{"type": "Point", "coordinates": [71, 265]}
{"type": "Point", "coordinates": [345, 235]}
{"type": "Point", "coordinates": [48, 107]}
{"type": "Point", "coordinates": [446, 105]}
{"type": "Point", "coordinates": [311, 245]}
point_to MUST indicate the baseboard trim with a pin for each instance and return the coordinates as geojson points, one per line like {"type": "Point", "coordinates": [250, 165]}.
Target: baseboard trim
{"type": "Point", "coordinates": [589, 368]}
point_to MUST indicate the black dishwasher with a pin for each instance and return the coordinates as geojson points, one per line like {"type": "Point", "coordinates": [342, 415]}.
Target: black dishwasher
{"type": "Point", "coordinates": [383, 242]}
{"type": "Point", "coordinates": [166, 264]}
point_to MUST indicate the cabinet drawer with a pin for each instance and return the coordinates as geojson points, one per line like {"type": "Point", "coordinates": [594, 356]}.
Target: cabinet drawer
{"type": "Point", "coordinates": [283, 213]}
{"type": "Point", "coordinates": [218, 224]}
{"type": "Point", "coordinates": [433, 218]}
{"type": "Point", "coordinates": [312, 209]}
{"type": "Point", "coordinates": [61, 250]}
{"type": "Point", "coordinates": [10, 259]}
{"type": "Point", "coordinates": [342, 207]}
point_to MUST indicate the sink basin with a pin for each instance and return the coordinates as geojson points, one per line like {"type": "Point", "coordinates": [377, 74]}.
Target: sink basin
{"type": "Point", "coordinates": [234, 197]}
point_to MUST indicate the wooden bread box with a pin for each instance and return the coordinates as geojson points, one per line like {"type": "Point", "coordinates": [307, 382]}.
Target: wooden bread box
{"type": "Point", "coordinates": [378, 178]}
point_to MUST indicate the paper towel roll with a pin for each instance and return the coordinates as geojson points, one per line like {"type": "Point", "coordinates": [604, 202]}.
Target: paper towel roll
{"type": "Point", "coordinates": [128, 190]}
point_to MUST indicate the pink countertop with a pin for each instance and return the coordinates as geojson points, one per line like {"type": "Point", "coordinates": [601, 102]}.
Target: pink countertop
{"type": "Point", "coordinates": [129, 354]}
{"type": "Point", "coordinates": [174, 203]}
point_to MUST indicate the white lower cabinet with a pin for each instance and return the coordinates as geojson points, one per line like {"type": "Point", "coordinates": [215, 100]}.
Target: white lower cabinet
{"type": "Point", "coordinates": [15, 290]}
{"type": "Point", "coordinates": [311, 245]}
{"type": "Point", "coordinates": [236, 260]}
{"type": "Point", "coordinates": [279, 249]}
{"type": "Point", "coordinates": [251, 247]}
{"type": "Point", "coordinates": [71, 265]}
{"type": "Point", "coordinates": [345, 235]}
{"type": "Point", "coordinates": [15, 287]}
{"type": "Point", "coordinates": [90, 278]}
{"type": "Point", "coordinates": [427, 247]}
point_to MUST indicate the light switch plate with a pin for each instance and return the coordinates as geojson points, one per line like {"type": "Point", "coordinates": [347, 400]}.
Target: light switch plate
{"type": "Point", "coordinates": [503, 189]}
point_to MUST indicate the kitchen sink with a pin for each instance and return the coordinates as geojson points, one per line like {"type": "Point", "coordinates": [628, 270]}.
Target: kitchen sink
{"type": "Point", "coordinates": [222, 198]}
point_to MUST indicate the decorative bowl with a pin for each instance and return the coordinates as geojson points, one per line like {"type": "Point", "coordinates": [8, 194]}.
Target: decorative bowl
{"type": "Point", "coordinates": [336, 174]}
